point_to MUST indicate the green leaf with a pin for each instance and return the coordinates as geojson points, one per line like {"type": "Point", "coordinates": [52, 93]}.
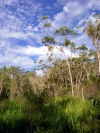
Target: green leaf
{"type": "Point", "coordinates": [64, 31]}
{"type": "Point", "coordinates": [66, 43]}
{"type": "Point", "coordinates": [48, 40]}
{"type": "Point", "coordinates": [44, 17]}
{"type": "Point", "coordinates": [47, 25]}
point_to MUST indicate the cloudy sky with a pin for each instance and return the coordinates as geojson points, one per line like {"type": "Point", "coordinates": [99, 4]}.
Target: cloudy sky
{"type": "Point", "coordinates": [21, 27]}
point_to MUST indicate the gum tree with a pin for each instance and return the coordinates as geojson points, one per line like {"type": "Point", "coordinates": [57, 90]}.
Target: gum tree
{"type": "Point", "coordinates": [93, 31]}
{"type": "Point", "coordinates": [64, 32]}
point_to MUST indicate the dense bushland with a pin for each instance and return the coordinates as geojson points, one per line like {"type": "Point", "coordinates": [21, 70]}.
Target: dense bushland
{"type": "Point", "coordinates": [33, 104]}
{"type": "Point", "coordinates": [37, 114]}
{"type": "Point", "coordinates": [65, 98]}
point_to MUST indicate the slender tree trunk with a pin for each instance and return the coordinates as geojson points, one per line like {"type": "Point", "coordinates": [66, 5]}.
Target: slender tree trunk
{"type": "Point", "coordinates": [18, 93]}
{"type": "Point", "coordinates": [87, 72]}
{"type": "Point", "coordinates": [83, 94]}
{"type": "Point", "coordinates": [77, 85]}
{"type": "Point", "coordinates": [71, 79]}
{"type": "Point", "coordinates": [98, 54]}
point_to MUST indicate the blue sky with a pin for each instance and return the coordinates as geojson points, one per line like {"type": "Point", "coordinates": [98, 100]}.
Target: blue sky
{"type": "Point", "coordinates": [20, 27]}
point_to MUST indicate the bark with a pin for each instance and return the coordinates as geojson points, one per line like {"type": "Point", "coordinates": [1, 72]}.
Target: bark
{"type": "Point", "coordinates": [87, 72]}
{"type": "Point", "coordinates": [70, 74]}
{"type": "Point", "coordinates": [98, 55]}
{"type": "Point", "coordinates": [71, 79]}
{"type": "Point", "coordinates": [83, 94]}
{"type": "Point", "coordinates": [96, 43]}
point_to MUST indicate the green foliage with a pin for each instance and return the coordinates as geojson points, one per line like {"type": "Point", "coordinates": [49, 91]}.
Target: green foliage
{"type": "Point", "coordinates": [44, 17]}
{"type": "Point", "coordinates": [47, 25]}
{"type": "Point", "coordinates": [64, 31]}
{"type": "Point", "coordinates": [12, 117]}
{"type": "Point", "coordinates": [66, 43]}
{"type": "Point", "coordinates": [40, 113]}
{"type": "Point", "coordinates": [93, 29]}
{"type": "Point", "coordinates": [48, 40]}
{"type": "Point", "coordinates": [82, 47]}
{"type": "Point", "coordinates": [13, 82]}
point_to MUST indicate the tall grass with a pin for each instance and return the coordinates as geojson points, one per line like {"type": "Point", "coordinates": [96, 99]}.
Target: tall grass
{"type": "Point", "coordinates": [40, 115]}
{"type": "Point", "coordinates": [12, 116]}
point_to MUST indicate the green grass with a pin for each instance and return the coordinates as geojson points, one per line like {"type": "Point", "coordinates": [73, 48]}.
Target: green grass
{"type": "Point", "coordinates": [40, 115]}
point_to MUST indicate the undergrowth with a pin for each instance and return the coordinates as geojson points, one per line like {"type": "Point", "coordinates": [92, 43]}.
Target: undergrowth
{"type": "Point", "coordinates": [40, 115]}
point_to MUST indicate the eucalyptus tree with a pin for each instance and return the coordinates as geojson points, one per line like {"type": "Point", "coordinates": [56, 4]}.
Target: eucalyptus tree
{"type": "Point", "coordinates": [49, 42]}
{"type": "Point", "coordinates": [46, 26]}
{"type": "Point", "coordinates": [83, 53]}
{"type": "Point", "coordinates": [18, 82]}
{"type": "Point", "coordinates": [64, 32]}
{"type": "Point", "coordinates": [83, 70]}
{"type": "Point", "coordinates": [94, 63]}
{"type": "Point", "coordinates": [13, 82]}
{"type": "Point", "coordinates": [48, 39]}
{"type": "Point", "coordinates": [93, 31]}
{"type": "Point", "coordinates": [15, 75]}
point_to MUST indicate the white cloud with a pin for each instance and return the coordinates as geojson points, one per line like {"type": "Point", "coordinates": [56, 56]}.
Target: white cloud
{"type": "Point", "coordinates": [5, 33]}
{"type": "Point", "coordinates": [59, 20]}
{"type": "Point", "coordinates": [12, 59]}
{"type": "Point", "coordinates": [32, 51]}
{"type": "Point", "coordinates": [65, 8]}
{"type": "Point", "coordinates": [77, 7]}
{"type": "Point", "coordinates": [74, 11]}
{"type": "Point", "coordinates": [73, 8]}
{"type": "Point", "coordinates": [21, 24]}
{"type": "Point", "coordinates": [17, 23]}
{"type": "Point", "coordinates": [22, 55]}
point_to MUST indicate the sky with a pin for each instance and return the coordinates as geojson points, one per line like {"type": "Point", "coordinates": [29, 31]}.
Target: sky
{"type": "Point", "coordinates": [21, 27]}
